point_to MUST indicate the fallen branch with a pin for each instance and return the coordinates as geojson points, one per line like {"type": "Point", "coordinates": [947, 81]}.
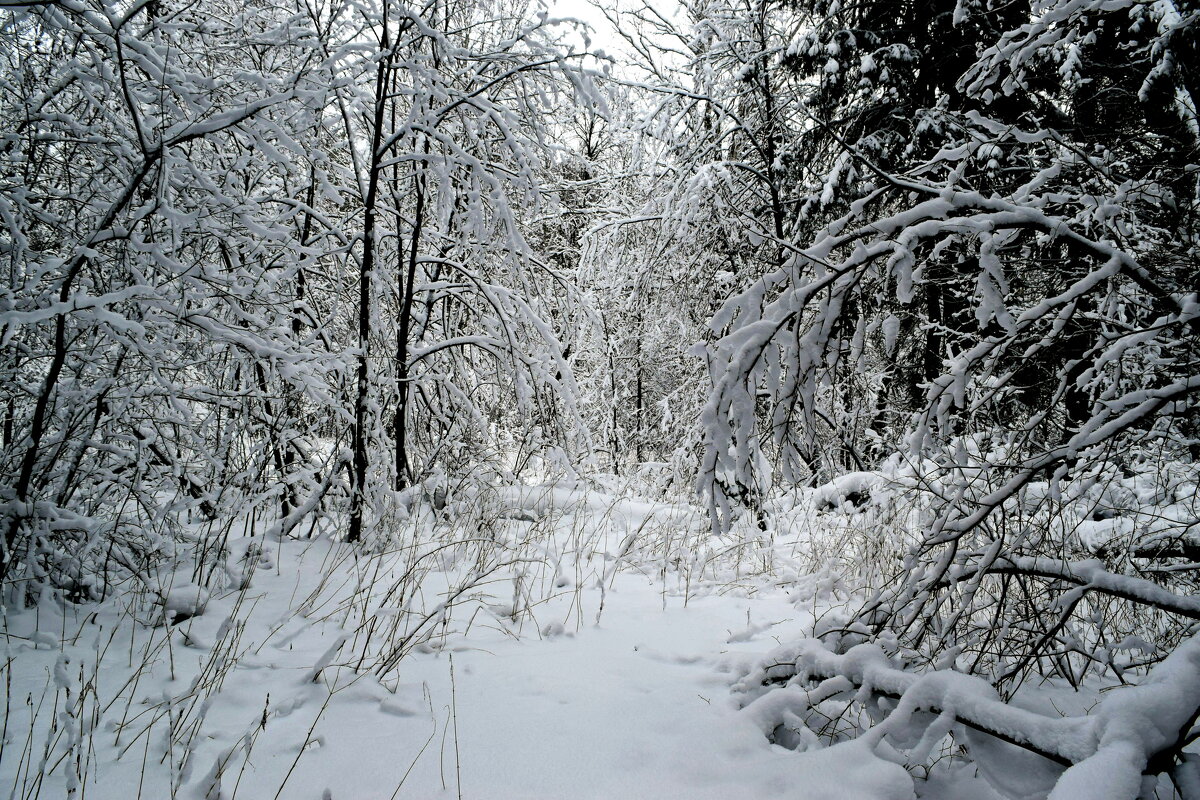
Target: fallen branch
{"type": "Point", "coordinates": [1133, 731]}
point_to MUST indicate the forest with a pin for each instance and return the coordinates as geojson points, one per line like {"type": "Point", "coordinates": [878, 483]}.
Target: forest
{"type": "Point", "coordinates": [639, 399]}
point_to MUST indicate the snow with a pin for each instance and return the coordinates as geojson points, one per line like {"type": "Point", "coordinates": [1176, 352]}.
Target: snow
{"type": "Point", "coordinates": [184, 601]}
{"type": "Point", "coordinates": [1015, 773]}
{"type": "Point", "coordinates": [615, 683]}
{"type": "Point", "coordinates": [604, 672]}
{"type": "Point", "coordinates": [845, 487]}
{"type": "Point", "coordinates": [632, 711]}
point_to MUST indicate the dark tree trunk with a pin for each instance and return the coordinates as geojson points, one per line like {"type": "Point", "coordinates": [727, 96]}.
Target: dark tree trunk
{"type": "Point", "coordinates": [403, 333]}
{"type": "Point", "coordinates": [366, 274]}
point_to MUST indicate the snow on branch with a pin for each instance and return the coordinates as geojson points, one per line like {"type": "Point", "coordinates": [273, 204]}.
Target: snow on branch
{"type": "Point", "coordinates": [1132, 730]}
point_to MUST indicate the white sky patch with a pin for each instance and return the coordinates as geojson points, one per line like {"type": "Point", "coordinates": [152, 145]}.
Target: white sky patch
{"type": "Point", "coordinates": [601, 33]}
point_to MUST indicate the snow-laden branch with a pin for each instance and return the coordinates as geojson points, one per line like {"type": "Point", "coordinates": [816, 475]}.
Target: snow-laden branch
{"type": "Point", "coordinates": [1090, 576]}
{"type": "Point", "coordinates": [1131, 730]}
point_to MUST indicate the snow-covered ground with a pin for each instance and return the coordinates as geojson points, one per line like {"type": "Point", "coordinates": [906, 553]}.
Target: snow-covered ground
{"type": "Point", "coordinates": [549, 642]}
{"type": "Point", "coordinates": [596, 673]}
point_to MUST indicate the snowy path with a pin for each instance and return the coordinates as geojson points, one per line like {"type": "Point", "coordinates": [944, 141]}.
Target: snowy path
{"type": "Point", "coordinates": [632, 710]}
{"type": "Point", "coordinates": [550, 704]}
{"type": "Point", "coordinates": [637, 707]}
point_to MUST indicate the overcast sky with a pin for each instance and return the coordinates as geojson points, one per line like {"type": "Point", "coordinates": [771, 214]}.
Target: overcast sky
{"type": "Point", "coordinates": [602, 33]}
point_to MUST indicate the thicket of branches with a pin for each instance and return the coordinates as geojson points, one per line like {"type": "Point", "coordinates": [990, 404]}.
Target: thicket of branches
{"type": "Point", "coordinates": [316, 260]}
{"type": "Point", "coordinates": [269, 256]}
{"type": "Point", "coordinates": [959, 243]}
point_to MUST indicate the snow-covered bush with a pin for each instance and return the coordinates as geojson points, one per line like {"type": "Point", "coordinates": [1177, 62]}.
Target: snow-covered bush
{"type": "Point", "coordinates": [989, 278]}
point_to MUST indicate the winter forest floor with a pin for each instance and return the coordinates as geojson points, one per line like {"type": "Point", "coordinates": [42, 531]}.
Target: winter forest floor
{"type": "Point", "coordinates": [578, 645]}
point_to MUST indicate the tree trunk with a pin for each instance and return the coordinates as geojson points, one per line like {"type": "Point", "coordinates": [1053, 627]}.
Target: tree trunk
{"type": "Point", "coordinates": [366, 275]}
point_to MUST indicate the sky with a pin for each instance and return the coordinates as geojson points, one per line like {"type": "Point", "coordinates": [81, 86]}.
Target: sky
{"type": "Point", "coordinates": [602, 34]}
